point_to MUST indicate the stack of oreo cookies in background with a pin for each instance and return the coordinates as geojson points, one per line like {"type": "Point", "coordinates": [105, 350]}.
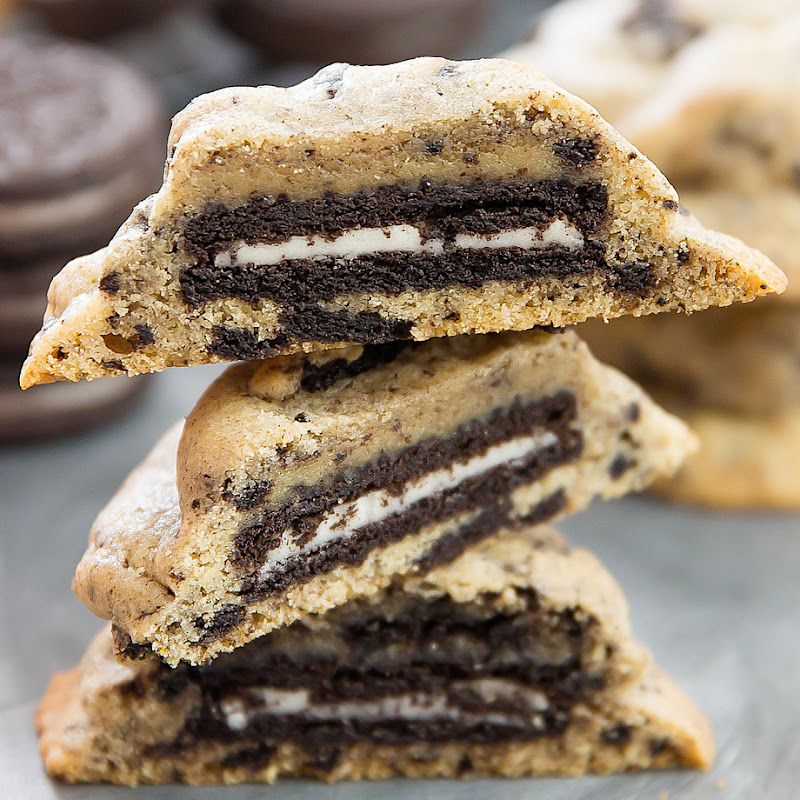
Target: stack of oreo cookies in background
{"type": "Point", "coordinates": [336, 567]}
{"type": "Point", "coordinates": [81, 140]}
{"type": "Point", "coordinates": [93, 19]}
{"type": "Point", "coordinates": [710, 92]}
{"type": "Point", "coordinates": [361, 31]}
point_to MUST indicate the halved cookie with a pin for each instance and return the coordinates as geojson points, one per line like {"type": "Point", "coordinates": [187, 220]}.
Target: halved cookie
{"type": "Point", "coordinates": [305, 481]}
{"type": "Point", "coordinates": [374, 204]}
{"type": "Point", "coordinates": [515, 660]}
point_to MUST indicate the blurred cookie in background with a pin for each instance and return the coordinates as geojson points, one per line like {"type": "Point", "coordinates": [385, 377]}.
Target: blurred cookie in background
{"type": "Point", "coordinates": [93, 19]}
{"type": "Point", "coordinates": [356, 31]}
{"type": "Point", "coordinates": [617, 53]}
{"type": "Point", "coordinates": [745, 463]}
{"type": "Point", "coordinates": [81, 141]}
{"type": "Point", "coordinates": [744, 359]}
{"type": "Point", "coordinates": [727, 115]}
{"type": "Point", "coordinates": [710, 90]}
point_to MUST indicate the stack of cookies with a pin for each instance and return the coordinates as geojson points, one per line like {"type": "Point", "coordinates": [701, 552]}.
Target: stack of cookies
{"type": "Point", "coordinates": [710, 92]}
{"type": "Point", "coordinates": [334, 568]}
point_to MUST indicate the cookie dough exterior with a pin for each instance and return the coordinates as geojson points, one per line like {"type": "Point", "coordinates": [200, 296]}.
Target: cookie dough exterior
{"type": "Point", "coordinates": [347, 131]}
{"type": "Point", "coordinates": [103, 721]}
{"type": "Point", "coordinates": [256, 442]}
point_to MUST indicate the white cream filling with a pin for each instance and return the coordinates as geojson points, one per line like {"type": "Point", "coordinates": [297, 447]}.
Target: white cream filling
{"type": "Point", "coordinates": [347, 518]}
{"type": "Point", "coordinates": [396, 239]}
{"type": "Point", "coordinates": [238, 711]}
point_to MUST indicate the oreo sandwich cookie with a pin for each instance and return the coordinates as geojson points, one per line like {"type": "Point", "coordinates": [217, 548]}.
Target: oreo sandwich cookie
{"type": "Point", "coordinates": [61, 409]}
{"type": "Point", "coordinates": [92, 19]}
{"type": "Point", "coordinates": [81, 141]}
{"type": "Point", "coordinates": [357, 31]}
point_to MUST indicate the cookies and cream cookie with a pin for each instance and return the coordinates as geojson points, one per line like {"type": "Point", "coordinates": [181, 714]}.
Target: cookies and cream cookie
{"type": "Point", "coordinates": [615, 54]}
{"type": "Point", "coordinates": [743, 360]}
{"type": "Point", "coordinates": [303, 481]}
{"type": "Point", "coordinates": [727, 116]}
{"type": "Point", "coordinates": [337, 211]}
{"type": "Point", "coordinates": [517, 659]}
{"type": "Point", "coordinates": [745, 462]}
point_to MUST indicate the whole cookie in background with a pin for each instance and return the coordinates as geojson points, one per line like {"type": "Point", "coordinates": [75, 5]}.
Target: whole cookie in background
{"type": "Point", "coordinates": [91, 19]}
{"type": "Point", "coordinates": [81, 139]}
{"type": "Point", "coordinates": [356, 31]}
{"type": "Point", "coordinates": [616, 53]}
{"type": "Point", "coordinates": [744, 463]}
{"type": "Point", "coordinates": [744, 359]}
{"type": "Point", "coordinates": [609, 52]}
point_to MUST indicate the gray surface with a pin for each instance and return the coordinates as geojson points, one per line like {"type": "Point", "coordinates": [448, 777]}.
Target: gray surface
{"type": "Point", "coordinates": [715, 596]}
